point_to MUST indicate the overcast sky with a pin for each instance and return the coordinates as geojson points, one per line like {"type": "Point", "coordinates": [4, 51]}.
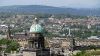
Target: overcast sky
{"type": "Point", "coordinates": [57, 3]}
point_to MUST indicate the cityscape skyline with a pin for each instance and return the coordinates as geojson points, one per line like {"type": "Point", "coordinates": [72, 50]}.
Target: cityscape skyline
{"type": "Point", "coordinates": [56, 3]}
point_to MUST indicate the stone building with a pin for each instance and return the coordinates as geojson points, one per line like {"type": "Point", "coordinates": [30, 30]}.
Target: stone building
{"type": "Point", "coordinates": [33, 43]}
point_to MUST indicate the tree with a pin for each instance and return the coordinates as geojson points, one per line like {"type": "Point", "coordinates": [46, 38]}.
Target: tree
{"type": "Point", "coordinates": [93, 47]}
{"type": "Point", "coordinates": [82, 53]}
{"type": "Point", "coordinates": [8, 45]}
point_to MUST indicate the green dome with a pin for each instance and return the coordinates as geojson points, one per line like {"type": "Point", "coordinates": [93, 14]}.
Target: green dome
{"type": "Point", "coordinates": [36, 28]}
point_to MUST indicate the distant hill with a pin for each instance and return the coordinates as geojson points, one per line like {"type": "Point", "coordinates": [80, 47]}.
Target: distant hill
{"type": "Point", "coordinates": [32, 9]}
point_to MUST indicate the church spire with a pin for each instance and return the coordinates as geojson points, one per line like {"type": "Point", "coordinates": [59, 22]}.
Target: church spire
{"type": "Point", "coordinates": [8, 32]}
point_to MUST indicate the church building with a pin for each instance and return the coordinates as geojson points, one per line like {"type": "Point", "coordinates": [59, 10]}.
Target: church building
{"type": "Point", "coordinates": [32, 42]}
